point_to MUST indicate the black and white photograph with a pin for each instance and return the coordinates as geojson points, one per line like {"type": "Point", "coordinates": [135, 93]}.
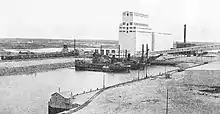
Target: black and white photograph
{"type": "Point", "coordinates": [109, 57]}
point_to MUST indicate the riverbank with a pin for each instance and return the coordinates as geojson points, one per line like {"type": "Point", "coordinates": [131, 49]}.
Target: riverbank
{"type": "Point", "coordinates": [149, 96]}
{"type": "Point", "coordinates": [34, 66]}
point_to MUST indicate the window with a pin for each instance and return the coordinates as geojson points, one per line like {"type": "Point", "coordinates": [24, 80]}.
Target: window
{"type": "Point", "coordinates": [131, 23]}
{"type": "Point", "coordinates": [120, 27]}
{"type": "Point", "coordinates": [130, 27]}
{"type": "Point", "coordinates": [127, 28]}
{"type": "Point", "coordinates": [133, 31]}
{"type": "Point", "coordinates": [127, 14]}
{"type": "Point", "coordinates": [127, 24]}
{"type": "Point", "coordinates": [127, 31]}
{"type": "Point", "coordinates": [134, 27]}
{"type": "Point", "coordinates": [107, 52]}
{"type": "Point", "coordinates": [130, 31]}
{"type": "Point", "coordinates": [123, 31]}
{"type": "Point", "coordinates": [123, 27]}
{"type": "Point", "coordinates": [123, 23]}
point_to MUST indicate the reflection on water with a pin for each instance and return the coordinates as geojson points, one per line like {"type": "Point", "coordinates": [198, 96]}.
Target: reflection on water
{"type": "Point", "coordinates": [29, 94]}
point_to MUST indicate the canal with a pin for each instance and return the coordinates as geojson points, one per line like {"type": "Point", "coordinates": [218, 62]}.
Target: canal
{"type": "Point", "coordinates": [29, 94]}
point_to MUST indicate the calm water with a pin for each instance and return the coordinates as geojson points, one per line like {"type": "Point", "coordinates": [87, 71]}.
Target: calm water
{"type": "Point", "coordinates": [29, 94]}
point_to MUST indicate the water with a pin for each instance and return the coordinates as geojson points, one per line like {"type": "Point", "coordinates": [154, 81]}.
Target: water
{"type": "Point", "coordinates": [29, 94]}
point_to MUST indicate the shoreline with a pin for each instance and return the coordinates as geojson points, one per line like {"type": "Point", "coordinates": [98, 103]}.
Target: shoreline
{"type": "Point", "coordinates": [120, 85]}
{"type": "Point", "coordinates": [35, 66]}
{"type": "Point", "coordinates": [154, 79]}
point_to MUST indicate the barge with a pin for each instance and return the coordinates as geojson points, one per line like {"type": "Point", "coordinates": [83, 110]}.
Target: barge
{"type": "Point", "coordinates": [117, 67]}
{"type": "Point", "coordinates": [101, 63]}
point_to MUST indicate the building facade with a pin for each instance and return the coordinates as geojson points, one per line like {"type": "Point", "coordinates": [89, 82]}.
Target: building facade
{"type": "Point", "coordinates": [134, 31]}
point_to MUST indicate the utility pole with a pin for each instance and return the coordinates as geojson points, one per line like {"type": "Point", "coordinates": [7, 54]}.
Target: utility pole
{"type": "Point", "coordinates": [146, 58]}
{"type": "Point", "coordinates": [142, 54]}
{"type": "Point", "coordinates": [167, 102]}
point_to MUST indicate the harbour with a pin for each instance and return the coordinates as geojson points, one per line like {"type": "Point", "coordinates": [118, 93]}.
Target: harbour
{"type": "Point", "coordinates": [111, 57]}
{"type": "Point", "coordinates": [34, 97]}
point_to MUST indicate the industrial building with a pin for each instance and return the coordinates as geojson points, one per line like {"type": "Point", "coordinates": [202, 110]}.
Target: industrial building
{"type": "Point", "coordinates": [135, 30]}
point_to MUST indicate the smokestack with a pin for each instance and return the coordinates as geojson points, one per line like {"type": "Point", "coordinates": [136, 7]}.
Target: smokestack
{"type": "Point", "coordinates": [74, 45]}
{"type": "Point", "coordinates": [153, 42]}
{"type": "Point", "coordinates": [101, 50]}
{"type": "Point", "coordinates": [185, 33]}
{"type": "Point", "coordinates": [126, 53]}
{"type": "Point", "coordinates": [119, 51]}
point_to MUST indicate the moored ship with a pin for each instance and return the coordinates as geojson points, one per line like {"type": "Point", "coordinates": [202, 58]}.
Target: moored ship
{"type": "Point", "coordinates": [101, 63]}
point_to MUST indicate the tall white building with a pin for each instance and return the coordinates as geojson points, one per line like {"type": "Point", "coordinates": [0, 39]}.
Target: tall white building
{"type": "Point", "coordinates": [135, 30]}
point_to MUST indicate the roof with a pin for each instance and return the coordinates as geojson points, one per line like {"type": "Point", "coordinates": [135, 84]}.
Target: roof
{"type": "Point", "coordinates": [65, 94]}
{"type": "Point", "coordinates": [210, 66]}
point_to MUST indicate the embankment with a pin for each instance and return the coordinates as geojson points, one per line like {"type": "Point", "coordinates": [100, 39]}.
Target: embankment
{"type": "Point", "coordinates": [33, 66]}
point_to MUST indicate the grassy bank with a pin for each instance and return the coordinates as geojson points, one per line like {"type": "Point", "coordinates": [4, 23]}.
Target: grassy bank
{"type": "Point", "coordinates": [149, 97]}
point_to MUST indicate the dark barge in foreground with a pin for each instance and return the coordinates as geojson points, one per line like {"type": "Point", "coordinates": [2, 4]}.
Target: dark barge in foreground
{"type": "Point", "coordinates": [117, 67]}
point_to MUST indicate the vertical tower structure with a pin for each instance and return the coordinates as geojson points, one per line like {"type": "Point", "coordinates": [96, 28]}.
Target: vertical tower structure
{"type": "Point", "coordinates": [134, 31]}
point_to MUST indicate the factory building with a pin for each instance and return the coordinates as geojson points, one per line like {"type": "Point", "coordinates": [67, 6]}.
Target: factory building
{"type": "Point", "coordinates": [135, 30]}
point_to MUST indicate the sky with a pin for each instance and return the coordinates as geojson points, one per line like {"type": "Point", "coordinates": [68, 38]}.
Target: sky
{"type": "Point", "coordinates": [100, 19]}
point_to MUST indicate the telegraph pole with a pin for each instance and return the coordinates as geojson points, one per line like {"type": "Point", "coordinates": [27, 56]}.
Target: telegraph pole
{"type": "Point", "coordinates": [146, 58]}
{"type": "Point", "coordinates": [142, 54]}
{"type": "Point", "coordinates": [167, 103]}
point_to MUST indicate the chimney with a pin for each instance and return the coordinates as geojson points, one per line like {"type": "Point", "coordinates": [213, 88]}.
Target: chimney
{"type": "Point", "coordinates": [185, 33]}
{"type": "Point", "coordinates": [74, 45]}
{"type": "Point", "coordinates": [119, 51]}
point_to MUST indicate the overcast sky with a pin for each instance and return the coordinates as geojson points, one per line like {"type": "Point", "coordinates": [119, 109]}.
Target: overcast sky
{"type": "Point", "coordinates": [100, 19]}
